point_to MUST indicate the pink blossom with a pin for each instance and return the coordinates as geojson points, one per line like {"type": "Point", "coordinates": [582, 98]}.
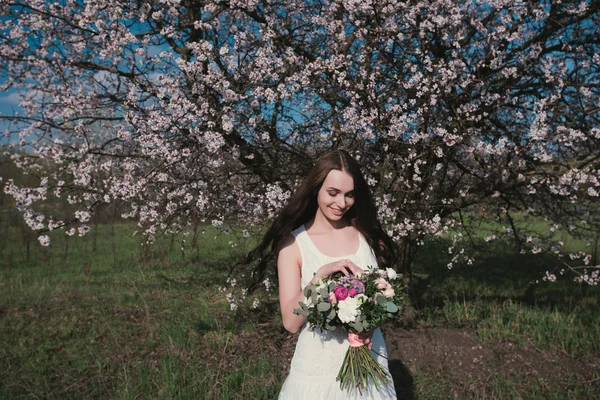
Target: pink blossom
{"type": "Point", "coordinates": [331, 298]}
{"type": "Point", "coordinates": [352, 292]}
{"type": "Point", "coordinates": [384, 287]}
{"type": "Point", "coordinates": [382, 284]}
{"type": "Point", "coordinates": [341, 293]}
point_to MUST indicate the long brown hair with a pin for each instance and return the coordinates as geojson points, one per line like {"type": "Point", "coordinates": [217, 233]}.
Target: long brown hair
{"type": "Point", "coordinates": [302, 207]}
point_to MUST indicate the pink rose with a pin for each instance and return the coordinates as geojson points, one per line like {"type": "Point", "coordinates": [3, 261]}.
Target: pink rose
{"type": "Point", "coordinates": [341, 293]}
{"type": "Point", "coordinates": [385, 287]}
{"type": "Point", "coordinates": [382, 284]}
{"type": "Point", "coordinates": [331, 298]}
{"type": "Point", "coordinates": [352, 292]}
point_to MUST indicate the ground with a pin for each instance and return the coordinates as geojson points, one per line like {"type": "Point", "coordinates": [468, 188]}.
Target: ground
{"type": "Point", "coordinates": [465, 367]}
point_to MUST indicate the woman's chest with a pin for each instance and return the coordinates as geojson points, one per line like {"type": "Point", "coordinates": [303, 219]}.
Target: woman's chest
{"type": "Point", "coordinates": [341, 245]}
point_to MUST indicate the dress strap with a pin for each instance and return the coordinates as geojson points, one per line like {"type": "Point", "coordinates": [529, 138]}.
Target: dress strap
{"type": "Point", "coordinates": [301, 238]}
{"type": "Point", "coordinates": [310, 258]}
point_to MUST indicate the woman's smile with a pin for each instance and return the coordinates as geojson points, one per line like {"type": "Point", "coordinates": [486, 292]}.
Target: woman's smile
{"type": "Point", "coordinates": [337, 211]}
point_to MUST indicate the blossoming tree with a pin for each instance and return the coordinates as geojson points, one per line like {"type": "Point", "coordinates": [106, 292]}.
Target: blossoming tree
{"type": "Point", "coordinates": [200, 110]}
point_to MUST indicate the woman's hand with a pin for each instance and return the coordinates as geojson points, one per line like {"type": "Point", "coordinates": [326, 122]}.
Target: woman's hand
{"type": "Point", "coordinates": [346, 267]}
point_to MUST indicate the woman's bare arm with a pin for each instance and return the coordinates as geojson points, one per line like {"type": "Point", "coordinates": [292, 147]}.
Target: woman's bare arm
{"type": "Point", "coordinates": [289, 268]}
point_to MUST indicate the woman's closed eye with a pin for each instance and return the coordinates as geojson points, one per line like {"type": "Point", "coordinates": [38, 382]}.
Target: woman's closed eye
{"type": "Point", "coordinates": [349, 194]}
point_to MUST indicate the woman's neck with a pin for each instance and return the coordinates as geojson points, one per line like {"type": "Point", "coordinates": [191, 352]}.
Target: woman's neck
{"type": "Point", "coordinates": [323, 224]}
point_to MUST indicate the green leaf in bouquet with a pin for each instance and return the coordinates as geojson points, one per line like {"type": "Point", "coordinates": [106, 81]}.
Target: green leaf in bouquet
{"type": "Point", "coordinates": [323, 307]}
{"type": "Point", "coordinates": [307, 291]}
{"type": "Point", "coordinates": [331, 314]}
{"type": "Point", "coordinates": [314, 297]}
{"type": "Point", "coordinates": [382, 301]}
{"type": "Point", "coordinates": [358, 326]}
{"type": "Point", "coordinates": [391, 307]}
{"type": "Point", "coordinates": [324, 292]}
{"type": "Point", "coordinates": [332, 285]}
{"type": "Point", "coordinates": [330, 327]}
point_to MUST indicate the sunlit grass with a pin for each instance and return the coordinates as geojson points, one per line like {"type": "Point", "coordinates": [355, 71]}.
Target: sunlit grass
{"type": "Point", "coordinates": [117, 323]}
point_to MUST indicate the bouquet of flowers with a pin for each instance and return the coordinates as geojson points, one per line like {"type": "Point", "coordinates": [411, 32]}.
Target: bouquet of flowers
{"type": "Point", "coordinates": [357, 305]}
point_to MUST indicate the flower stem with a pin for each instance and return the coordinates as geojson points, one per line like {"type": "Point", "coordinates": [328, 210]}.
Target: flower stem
{"type": "Point", "coordinates": [358, 368]}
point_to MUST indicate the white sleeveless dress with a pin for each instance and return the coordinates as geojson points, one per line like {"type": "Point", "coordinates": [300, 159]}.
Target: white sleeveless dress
{"type": "Point", "coordinates": [319, 355]}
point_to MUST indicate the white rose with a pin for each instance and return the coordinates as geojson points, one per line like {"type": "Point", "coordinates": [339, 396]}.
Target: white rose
{"type": "Point", "coordinates": [391, 273]}
{"type": "Point", "coordinates": [348, 309]}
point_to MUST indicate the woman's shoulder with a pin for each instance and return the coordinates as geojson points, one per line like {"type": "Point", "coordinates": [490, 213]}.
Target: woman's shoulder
{"type": "Point", "coordinates": [290, 250]}
{"type": "Point", "coordinates": [288, 241]}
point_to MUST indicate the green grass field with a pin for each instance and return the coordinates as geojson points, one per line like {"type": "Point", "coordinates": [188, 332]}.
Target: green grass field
{"type": "Point", "coordinates": [112, 319]}
{"type": "Point", "coordinates": [117, 323]}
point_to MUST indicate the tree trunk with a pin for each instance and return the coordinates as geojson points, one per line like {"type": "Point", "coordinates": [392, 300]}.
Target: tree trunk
{"type": "Point", "coordinates": [195, 237]}
{"type": "Point", "coordinates": [595, 251]}
{"type": "Point", "coordinates": [112, 240]}
{"type": "Point", "coordinates": [27, 249]}
{"type": "Point", "coordinates": [95, 239]}
{"type": "Point", "coordinates": [407, 251]}
{"type": "Point", "coordinates": [66, 251]}
{"type": "Point", "coordinates": [171, 246]}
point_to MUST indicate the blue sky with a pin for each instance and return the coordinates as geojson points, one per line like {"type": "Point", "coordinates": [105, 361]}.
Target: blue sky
{"type": "Point", "coordinates": [9, 105]}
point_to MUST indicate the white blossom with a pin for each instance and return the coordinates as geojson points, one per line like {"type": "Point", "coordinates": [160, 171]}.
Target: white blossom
{"type": "Point", "coordinates": [348, 309]}
{"type": "Point", "coordinates": [44, 240]}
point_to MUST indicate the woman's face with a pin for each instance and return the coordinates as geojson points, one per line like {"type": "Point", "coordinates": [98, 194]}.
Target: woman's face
{"type": "Point", "coordinates": [336, 195]}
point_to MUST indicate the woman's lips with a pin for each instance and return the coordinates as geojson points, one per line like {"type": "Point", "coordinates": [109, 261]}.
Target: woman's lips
{"type": "Point", "coordinates": [336, 211]}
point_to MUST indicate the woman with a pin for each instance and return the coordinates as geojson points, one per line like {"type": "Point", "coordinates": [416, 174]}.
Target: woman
{"type": "Point", "coordinates": [329, 225]}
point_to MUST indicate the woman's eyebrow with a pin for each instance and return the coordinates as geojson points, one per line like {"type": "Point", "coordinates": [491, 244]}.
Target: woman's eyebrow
{"type": "Point", "coordinates": [338, 190]}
